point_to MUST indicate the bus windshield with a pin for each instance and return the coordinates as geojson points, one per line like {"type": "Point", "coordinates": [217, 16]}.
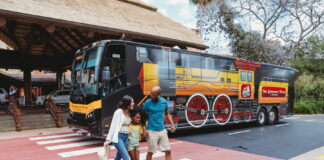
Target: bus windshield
{"type": "Point", "coordinates": [85, 72]}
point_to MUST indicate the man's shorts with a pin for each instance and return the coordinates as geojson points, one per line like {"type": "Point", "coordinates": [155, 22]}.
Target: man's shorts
{"type": "Point", "coordinates": [158, 139]}
{"type": "Point", "coordinates": [132, 147]}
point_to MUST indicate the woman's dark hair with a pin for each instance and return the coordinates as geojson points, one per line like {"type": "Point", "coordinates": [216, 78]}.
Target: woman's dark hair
{"type": "Point", "coordinates": [125, 102]}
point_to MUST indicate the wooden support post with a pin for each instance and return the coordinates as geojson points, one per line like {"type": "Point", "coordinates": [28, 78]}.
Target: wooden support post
{"type": "Point", "coordinates": [27, 87]}
{"type": "Point", "coordinates": [59, 79]}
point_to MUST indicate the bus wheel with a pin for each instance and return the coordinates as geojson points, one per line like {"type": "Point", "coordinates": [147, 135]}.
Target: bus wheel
{"type": "Point", "coordinates": [222, 107]}
{"type": "Point", "coordinates": [272, 118]}
{"type": "Point", "coordinates": [261, 117]}
{"type": "Point", "coordinates": [196, 115]}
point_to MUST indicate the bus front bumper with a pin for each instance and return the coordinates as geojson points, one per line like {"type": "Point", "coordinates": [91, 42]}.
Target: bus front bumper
{"type": "Point", "coordinates": [84, 128]}
{"type": "Point", "coordinates": [81, 128]}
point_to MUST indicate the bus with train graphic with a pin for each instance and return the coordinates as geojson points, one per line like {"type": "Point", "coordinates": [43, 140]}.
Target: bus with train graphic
{"type": "Point", "coordinates": [201, 89]}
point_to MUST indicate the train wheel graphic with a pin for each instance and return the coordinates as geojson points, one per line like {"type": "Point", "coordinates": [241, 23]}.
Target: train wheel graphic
{"type": "Point", "coordinates": [223, 109]}
{"type": "Point", "coordinates": [248, 116]}
{"type": "Point", "coordinates": [236, 118]}
{"type": "Point", "coordinates": [196, 115]}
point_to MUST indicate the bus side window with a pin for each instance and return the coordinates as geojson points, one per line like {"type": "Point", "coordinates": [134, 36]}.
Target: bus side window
{"type": "Point", "coordinates": [174, 61]}
{"type": "Point", "coordinates": [175, 58]}
{"type": "Point", "coordinates": [249, 76]}
{"type": "Point", "coordinates": [142, 55]}
{"type": "Point", "coordinates": [158, 56]}
{"type": "Point", "coordinates": [217, 63]}
{"type": "Point", "coordinates": [115, 59]}
{"type": "Point", "coordinates": [116, 52]}
{"type": "Point", "coordinates": [243, 76]}
{"type": "Point", "coordinates": [194, 61]}
{"type": "Point", "coordinates": [184, 60]}
{"type": "Point", "coordinates": [207, 63]}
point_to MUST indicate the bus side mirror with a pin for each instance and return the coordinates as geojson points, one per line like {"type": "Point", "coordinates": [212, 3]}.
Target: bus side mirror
{"type": "Point", "coordinates": [105, 76]}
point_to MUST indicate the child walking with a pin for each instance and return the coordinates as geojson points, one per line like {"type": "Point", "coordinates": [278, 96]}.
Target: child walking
{"type": "Point", "coordinates": [135, 134]}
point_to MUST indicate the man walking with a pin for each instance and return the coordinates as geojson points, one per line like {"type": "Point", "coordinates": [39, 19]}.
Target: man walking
{"type": "Point", "coordinates": [157, 108]}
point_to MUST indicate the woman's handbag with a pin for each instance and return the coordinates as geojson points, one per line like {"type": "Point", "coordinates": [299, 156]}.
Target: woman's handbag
{"type": "Point", "coordinates": [103, 152]}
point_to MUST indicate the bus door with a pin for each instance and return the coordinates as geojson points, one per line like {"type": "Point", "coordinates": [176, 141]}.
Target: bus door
{"type": "Point", "coordinates": [246, 84]}
{"type": "Point", "coordinates": [114, 59]}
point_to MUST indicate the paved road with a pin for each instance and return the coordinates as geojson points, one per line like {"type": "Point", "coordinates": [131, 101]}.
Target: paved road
{"type": "Point", "coordinates": [71, 146]}
{"type": "Point", "coordinates": [289, 138]}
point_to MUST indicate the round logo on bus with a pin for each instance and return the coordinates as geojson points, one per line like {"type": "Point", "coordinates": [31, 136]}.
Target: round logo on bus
{"type": "Point", "coordinates": [246, 91]}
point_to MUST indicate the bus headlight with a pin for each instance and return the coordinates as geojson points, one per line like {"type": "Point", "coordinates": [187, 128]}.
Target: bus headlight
{"type": "Point", "coordinates": [90, 115]}
{"type": "Point", "coordinates": [71, 113]}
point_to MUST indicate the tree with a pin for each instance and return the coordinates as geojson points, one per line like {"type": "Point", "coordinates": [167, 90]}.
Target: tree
{"type": "Point", "coordinates": [278, 18]}
{"type": "Point", "coordinates": [267, 12]}
{"type": "Point", "coordinates": [218, 17]}
{"type": "Point", "coordinates": [305, 17]}
{"type": "Point", "coordinates": [253, 47]}
{"type": "Point", "coordinates": [309, 57]}
{"type": "Point", "coordinates": [201, 2]}
{"type": "Point", "coordinates": [309, 86]}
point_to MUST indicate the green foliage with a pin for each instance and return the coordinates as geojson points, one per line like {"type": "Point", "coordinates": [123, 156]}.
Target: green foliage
{"type": "Point", "coordinates": [251, 46]}
{"type": "Point", "coordinates": [309, 56]}
{"type": "Point", "coordinates": [309, 60]}
{"type": "Point", "coordinates": [219, 17]}
{"type": "Point", "coordinates": [200, 2]}
{"type": "Point", "coordinates": [309, 106]}
{"type": "Point", "coordinates": [309, 94]}
{"type": "Point", "coordinates": [304, 106]}
{"type": "Point", "coordinates": [309, 86]}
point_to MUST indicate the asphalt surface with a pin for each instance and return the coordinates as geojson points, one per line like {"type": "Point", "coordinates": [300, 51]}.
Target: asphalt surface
{"type": "Point", "coordinates": [287, 139]}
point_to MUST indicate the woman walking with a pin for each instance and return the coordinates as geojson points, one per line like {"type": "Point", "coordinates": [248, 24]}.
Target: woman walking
{"type": "Point", "coordinates": [118, 132]}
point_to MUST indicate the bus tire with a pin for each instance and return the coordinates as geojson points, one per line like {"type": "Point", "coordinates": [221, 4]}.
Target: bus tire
{"type": "Point", "coordinates": [261, 117]}
{"type": "Point", "coordinates": [273, 116]}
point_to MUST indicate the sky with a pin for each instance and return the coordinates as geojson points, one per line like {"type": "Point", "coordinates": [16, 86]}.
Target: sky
{"type": "Point", "coordinates": [181, 11]}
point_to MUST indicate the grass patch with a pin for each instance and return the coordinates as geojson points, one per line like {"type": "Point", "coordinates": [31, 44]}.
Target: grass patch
{"type": "Point", "coordinates": [309, 106]}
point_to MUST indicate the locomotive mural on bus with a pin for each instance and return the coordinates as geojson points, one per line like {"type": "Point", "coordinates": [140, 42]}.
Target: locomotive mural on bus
{"type": "Point", "coordinates": [201, 89]}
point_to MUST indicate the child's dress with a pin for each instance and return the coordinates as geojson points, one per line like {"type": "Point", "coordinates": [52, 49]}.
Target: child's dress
{"type": "Point", "coordinates": [135, 132]}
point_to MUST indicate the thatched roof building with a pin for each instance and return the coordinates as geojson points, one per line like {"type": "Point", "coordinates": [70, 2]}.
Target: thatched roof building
{"type": "Point", "coordinates": [45, 34]}
{"type": "Point", "coordinates": [131, 17]}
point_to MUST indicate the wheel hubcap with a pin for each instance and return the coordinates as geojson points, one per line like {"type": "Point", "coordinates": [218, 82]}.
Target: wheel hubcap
{"type": "Point", "coordinates": [202, 112]}
{"type": "Point", "coordinates": [261, 117]}
{"type": "Point", "coordinates": [272, 116]}
{"type": "Point", "coordinates": [226, 111]}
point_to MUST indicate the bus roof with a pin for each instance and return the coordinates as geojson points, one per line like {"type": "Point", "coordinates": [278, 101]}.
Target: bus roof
{"type": "Point", "coordinates": [180, 50]}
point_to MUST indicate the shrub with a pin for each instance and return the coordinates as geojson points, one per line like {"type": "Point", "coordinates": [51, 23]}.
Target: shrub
{"type": "Point", "coordinates": [305, 106]}
{"type": "Point", "coordinates": [308, 86]}
{"type": "Point", "coordinates": [309, 106]}
{"type": "Point", "coordinates": [320, 104]}
{"type": "Point", "coordinates": [309, 94]}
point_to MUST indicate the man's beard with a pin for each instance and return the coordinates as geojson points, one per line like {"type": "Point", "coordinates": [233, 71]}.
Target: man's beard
{"type": "Point", "coordinates": [155, 99]}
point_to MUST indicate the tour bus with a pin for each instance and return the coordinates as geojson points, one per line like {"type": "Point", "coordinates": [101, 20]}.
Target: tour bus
{"type": "Point", "coordinates": [201, 89]}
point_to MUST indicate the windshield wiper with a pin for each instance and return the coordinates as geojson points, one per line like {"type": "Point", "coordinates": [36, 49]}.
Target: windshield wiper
{"type": "Point", "coordinates": [78, 79]}
{"type": "Point", "coordinates": [80, 85]}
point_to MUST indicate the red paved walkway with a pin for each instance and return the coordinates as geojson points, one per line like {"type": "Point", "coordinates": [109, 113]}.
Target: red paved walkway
{"type": "Point", "coordinates": [69, 146]}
